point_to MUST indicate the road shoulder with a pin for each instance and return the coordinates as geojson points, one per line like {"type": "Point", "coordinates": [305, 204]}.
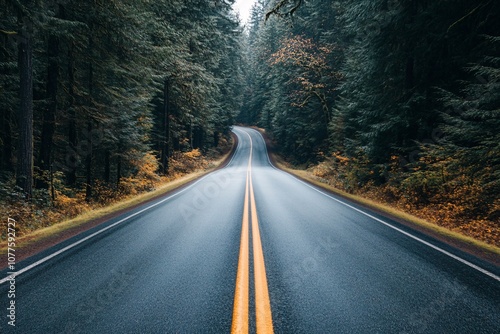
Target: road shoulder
{"type": "Point", "coordinates": [42, 239]}
{"type": "Point", "coordinates": [476, 248]}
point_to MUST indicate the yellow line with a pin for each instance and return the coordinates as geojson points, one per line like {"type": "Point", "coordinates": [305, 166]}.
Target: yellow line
{"type": "Point", "coordinates": [264, 321]}
{"type": "Point", "coordinates": [240, 309]}
{"type": "Point", "coordinates": [262, 303]}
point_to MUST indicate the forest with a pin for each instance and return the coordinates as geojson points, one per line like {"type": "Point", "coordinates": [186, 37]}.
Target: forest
{"type": "Point", "coordinates": [104, 99]}
{"type": "Point", "coordinates": [396, 100]}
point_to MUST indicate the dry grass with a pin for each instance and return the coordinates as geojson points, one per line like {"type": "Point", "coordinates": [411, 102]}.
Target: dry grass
{"type": "Point", "coordinates": [424, 218]}
{"type": "Point", "coordinates": [35, 222]}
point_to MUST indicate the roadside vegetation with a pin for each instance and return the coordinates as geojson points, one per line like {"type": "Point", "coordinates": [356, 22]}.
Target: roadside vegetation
{"type": "Point", "coordinates": [44, 211]}
{"type": "Point", "coordinates": [396, 101]}
{"type": "Point", "coordinates": [101, 101]}
{"type": "Point", "coordinates": [459, 205]}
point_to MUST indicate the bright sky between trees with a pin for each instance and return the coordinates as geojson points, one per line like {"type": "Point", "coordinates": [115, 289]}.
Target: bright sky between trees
{"type": "Point", "coordinates": [243, 7]}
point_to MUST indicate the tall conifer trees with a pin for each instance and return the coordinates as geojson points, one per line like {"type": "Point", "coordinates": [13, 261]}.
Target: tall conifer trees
{"type": "Point", "coordinates": [405, 93]}
{"type": "Point", "coordinates": [90, 88]}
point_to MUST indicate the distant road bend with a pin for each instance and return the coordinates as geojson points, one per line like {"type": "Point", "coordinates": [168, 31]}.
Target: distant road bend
{"type": "Point", "coordinates": [252, 249]}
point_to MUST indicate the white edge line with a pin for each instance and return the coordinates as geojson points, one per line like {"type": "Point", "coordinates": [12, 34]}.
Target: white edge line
{"type": "Point", "coordinates": [470, 264]}
{"type": "Point", "coordinates": [48, 257]}
{"type": "Point", "coordinates": [45, 259]}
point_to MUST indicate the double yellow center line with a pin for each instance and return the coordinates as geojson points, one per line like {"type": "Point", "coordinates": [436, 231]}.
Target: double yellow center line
{"type": "Point", "coordinates": [264, 321]}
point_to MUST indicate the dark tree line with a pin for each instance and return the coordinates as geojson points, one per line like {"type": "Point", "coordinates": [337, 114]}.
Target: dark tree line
{"type": "Point", "coordinates": [395, 93]}
{"type": "Point", "coordinates": [90, 90]}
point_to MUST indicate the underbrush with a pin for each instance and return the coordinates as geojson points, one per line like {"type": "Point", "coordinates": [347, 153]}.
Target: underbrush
{"type": "Point", "coordinates": [47, 208]}
{"type": "Point", "coordinates": [441, 195]}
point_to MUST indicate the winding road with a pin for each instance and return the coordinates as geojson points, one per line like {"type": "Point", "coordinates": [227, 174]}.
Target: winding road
{"type": "Point", "coordinates": [252, 249]}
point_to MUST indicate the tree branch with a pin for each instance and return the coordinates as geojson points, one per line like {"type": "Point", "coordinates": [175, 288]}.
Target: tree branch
{"type": "Point", "coordinates": [466, 16]}
{"type": "Point", "coordinates": [281, 4]}
{"type": "Point", "coordinates": [5, 32]}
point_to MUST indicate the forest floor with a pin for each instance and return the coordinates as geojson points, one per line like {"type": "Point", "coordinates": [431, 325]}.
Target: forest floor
{"type": "Point", "coordinates": [478, 237]}
{"type": "Point", "coordinates": [40, 226]}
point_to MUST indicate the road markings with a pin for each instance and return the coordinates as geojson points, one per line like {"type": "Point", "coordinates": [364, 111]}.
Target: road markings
{"type": "Point", "coordinates": [73, 245]}
{"type": "Point", "coordinates": [439, 249]}
{"type": "Point", "coordinates": [240, 310]}
{"type": "Point", "coordinates": [264, 322]}
{"type": "Point", "coordinates": [262, 302]}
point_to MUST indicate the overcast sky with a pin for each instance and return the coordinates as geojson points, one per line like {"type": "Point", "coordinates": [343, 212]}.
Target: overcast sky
{"type": "Point", "coordinates": [243, 7]}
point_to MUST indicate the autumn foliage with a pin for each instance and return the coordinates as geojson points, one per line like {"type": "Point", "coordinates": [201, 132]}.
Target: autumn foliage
{"type": "Point", "coordinates": [311, 70]}
{"type": "Point", "coordinates": [436, 192]}
{"type": "Point", "coordinates": [68, 202]}
{"type": "Point", "coordinates": [394, 100]}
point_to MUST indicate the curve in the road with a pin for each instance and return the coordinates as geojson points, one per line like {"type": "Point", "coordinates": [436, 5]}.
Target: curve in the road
{"type": "Point", "coordinates": [320, 265]}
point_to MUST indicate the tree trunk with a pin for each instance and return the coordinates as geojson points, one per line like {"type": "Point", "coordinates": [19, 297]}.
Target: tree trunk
{"type": "Point", "coordinates": [191, 132]}
{"type": "Point", "coordinates": [107, 166]}
{"type": "Point", "coordinates": [197, 137]}
{"type": "Point", "coordinates": [72, 135]}
{"type": "Point", "coordinates": [49, 115]}
{"type": "Point", "coordinates": [118, 171]}
{"type": "Point", "coordinates": [88, 160]}
{"type": "Point", "coordinates": [410, 61]}
{"type": "Point", "coordinates": [166, 129]}
{"type": "Point", "coordinates": [24, 178]}
{"type": "Point", "coordinates": [410, 77]}
{"type": "Point", "coordinates": [216, 138]}
{"type": "Point", "coordinates": [88, 164]}
{"type": "Point", "coordinates": [6, 138]}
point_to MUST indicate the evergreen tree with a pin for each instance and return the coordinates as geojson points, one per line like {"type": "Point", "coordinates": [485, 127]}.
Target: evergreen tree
{"type": "Point", "coordinates": [109, 82]}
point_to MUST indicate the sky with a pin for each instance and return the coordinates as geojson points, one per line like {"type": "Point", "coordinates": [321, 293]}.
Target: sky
{"type": "Point", "coordinates": [243, 7]}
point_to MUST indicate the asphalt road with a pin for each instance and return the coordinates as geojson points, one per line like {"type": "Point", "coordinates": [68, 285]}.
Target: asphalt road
{"type": "Point", "coordinates": [184, 264]}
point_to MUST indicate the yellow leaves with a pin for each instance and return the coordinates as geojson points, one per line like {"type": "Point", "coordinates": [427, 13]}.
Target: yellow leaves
{"type": "Point", "coordinates": [147, 167]}
{"type": "Point", "coordinates": [342, 160]}
{"type": "Point", "coordinates": [70, 203]}
{"type": "Point", "coordinates": [71, 206]}
{"type": "Point", "coordinates": [308, 68]}
{"type": "Point", "coordinates": [63, 200]}
{"type": "Point", "coordinates": [145, 178]}
{"type": "Point", "coordinates": [482, 230]}
{"type": "Point", "coordinates": [183, 163]}
{"type": "Point", "coordinates": [301, 52]}
{"type": "Point", "coordinates": [193, 154]}
{"type": "Point", "coordinates": [456, 202]}
{"type": "Point", "coordinates": [322, 170]}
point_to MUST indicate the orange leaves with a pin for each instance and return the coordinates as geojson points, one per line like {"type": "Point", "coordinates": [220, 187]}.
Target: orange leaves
{"type": "Point", "coordinates": [309, 62]}
{"type": "Point", "coordinates": [187, 162]}
{"type": "Point", "coordinates": [453, 207]}
{"type": "Point", "coordinates": [342, 160]}
{"type": "Point", "coordinates": [70, 203]}
{"type": "Point", "coordinates": [193, 154]}
{"type": "Point", "coordinates": [302, 52]}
